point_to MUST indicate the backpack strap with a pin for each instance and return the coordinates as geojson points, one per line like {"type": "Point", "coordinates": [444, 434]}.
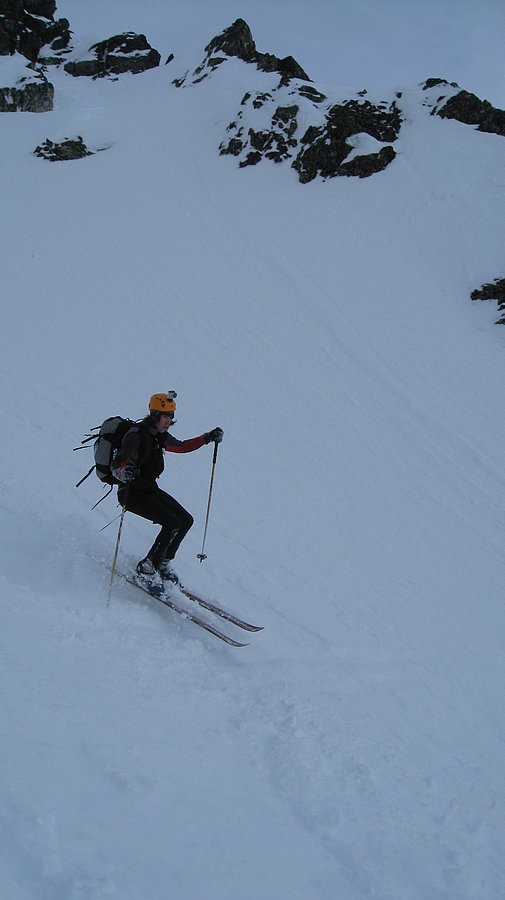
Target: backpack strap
{"type": "Point", "coordinates": [145, 441]}
{"type": "Point", "coordinates": [102, 498]}
{"type": "Point", "coordinates": [86, 476]}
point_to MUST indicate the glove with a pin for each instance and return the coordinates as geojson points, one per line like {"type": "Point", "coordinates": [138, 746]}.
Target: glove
{"type": "Point", "coordinates": [126, 472]}
{"type": "Point", "coordinates": [215, 435]}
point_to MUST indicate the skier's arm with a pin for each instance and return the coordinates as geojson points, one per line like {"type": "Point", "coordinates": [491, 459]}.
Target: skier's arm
{"type": "Point", "coordinates": [172, 445]}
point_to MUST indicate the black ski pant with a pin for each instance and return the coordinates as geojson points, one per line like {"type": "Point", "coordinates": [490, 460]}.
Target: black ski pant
{"type": "Point", "coordinates": [162, 509]}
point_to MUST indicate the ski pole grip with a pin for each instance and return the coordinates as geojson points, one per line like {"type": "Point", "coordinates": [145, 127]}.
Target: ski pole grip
{"type": "Point", "coordinates": [216, 445]}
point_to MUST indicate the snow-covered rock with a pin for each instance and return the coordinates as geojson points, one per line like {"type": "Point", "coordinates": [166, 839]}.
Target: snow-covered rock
{"type": "Point", "coordinates": [25, 89]}
{"type": "Point", "coordinates": [300, 124]}
{"type": "Point", "coordinates": [128, 52]}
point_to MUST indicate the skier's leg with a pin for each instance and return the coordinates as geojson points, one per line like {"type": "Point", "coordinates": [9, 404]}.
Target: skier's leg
{"type": "Point", "coordinates": [152, 506]}
{"type": "Point", "coordinates": [178, 522]}
{"type": "Point", "coordinates": [184, 523]}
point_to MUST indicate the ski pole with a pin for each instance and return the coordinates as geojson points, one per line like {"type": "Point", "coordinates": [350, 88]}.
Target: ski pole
{"type": "Point", "coordinates": [116, 551]}
{"type": "Point", "coordinates": [201, 556]}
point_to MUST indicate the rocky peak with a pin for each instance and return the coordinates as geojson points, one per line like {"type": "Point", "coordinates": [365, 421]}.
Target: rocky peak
{"type": "Point", "coordinates": [237, 41]}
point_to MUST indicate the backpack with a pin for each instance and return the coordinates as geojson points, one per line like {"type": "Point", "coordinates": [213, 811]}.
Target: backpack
{"type": "Point", "coordinates": [110, 437]}
{"type": "Point", "coordinates": [107, 442]}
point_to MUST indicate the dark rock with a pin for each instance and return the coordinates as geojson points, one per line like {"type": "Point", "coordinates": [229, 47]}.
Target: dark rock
{"type": "Point", "coordinates": [286, 115]}
{"type": "Point", "coordinates": [467, 108]}
{"type": "Point", "coordinates": [237, 41]}
{"type": "Point", "coordinates": [381, 122]}
{"type": "Point", "coordinates": [493, 291]}
{"type": "Point", "coordinates": [288, 67]}
{"type": "Point", "coordinates": [67, 149]}
{"type": "Point", "coordinates": [45, 8]}
{"type": "Point", "coordinates": [128, 52]}
{"type": "Point", "coordinates": [31, 93]}
{"type": "Point", "coordinates": [368, 164]}
{"type": "Point", "coordinates": [323, 154]}
{"type": "Point", "coordinates": [251, 159]}
{"type": "Point", "coordinates": [11, 9]}
{"type": "Point", "coordinates": [26, 26]}
{"type": "Point", "coordinates": [29, 45]}
{"type": "Point", "coordinates": [310, 93]}
{"type": "Point", "coordinates": [234, 147]}
{"type": "Point", "coordinates": [275, 144]}
{"type": "Point", "coordinates": [91, 68]}
{"type": "Point", "coordinates": [56, 38]}
{"type": "Point", "coordinates": [436, 82]}
{"type": "Point", "coordinates": [325, 149]}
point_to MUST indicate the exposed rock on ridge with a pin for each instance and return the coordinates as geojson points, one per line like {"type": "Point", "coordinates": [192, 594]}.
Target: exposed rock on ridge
{"type": "Point", "coordinates": [237, 41]}
{"type": "Point", "coordinates": [465, 107]}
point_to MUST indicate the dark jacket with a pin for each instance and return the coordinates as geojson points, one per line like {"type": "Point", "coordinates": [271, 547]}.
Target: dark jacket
{"type": "Point", "coordinates": [144, 445]}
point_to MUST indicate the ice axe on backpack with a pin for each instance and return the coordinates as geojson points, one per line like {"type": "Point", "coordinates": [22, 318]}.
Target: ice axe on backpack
{"type": "Point", "coordinates": [201, 556]}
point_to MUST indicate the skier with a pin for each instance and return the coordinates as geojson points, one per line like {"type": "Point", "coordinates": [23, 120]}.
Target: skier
{"type": "Point", "coordinates": [137, 465]}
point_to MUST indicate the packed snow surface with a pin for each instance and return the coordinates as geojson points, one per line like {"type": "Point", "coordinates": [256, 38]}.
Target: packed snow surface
{"type": "Point", "coordinates": [355, 748]}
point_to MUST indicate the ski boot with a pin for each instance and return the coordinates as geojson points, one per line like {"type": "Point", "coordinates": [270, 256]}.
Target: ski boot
{"type": "Point", "coordinates": [148, 577]}
{"type": "Point", "coordinates": [168, 573]}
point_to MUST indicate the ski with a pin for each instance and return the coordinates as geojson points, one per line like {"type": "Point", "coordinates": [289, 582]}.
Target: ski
{"type": "Point", "coordinates": [223, 613]}
{"type": "Point", "coordinates": [186, 613]}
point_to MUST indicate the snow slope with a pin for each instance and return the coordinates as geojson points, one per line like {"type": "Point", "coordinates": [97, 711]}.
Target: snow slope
{"type": "Point", "coordinates": [355, 749]}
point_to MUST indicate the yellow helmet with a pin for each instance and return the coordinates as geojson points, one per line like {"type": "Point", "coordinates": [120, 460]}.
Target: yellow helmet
{"type": "Point", "coordinates": [163, 403]}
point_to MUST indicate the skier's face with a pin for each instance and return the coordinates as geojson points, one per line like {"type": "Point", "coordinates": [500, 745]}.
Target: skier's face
{"type": "Point", "coordinates": [164, 422]}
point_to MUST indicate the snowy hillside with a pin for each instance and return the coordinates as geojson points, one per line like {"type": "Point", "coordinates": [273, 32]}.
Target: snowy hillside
{"type": "Point", "coordinates": [355, 748]}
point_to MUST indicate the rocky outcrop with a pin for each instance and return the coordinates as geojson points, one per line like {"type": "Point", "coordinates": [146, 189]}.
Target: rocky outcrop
{"type": "Point", "coordinates": [453, 103]}
{"type": "Point", "coordinates": [467, 108]}
{"type": "Point", "coordinates": [128, 52]}
{"type": "Point", "coordinates": [276, 143]}
{"type": "Point", "coordinates": [28, 27]}
{"type": "Point", "coordinates": [30, 92]}
{"type": "Point", "coordinates": [326, 150]}
{"type": "Point", "coordinates": [350, 139]}
{"type": "Point", "coordinates": [67, 149]}
{"type": "Point", "coordinates": [237, 41]}
{"type": "Point", "coordinates": [493, 291]}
